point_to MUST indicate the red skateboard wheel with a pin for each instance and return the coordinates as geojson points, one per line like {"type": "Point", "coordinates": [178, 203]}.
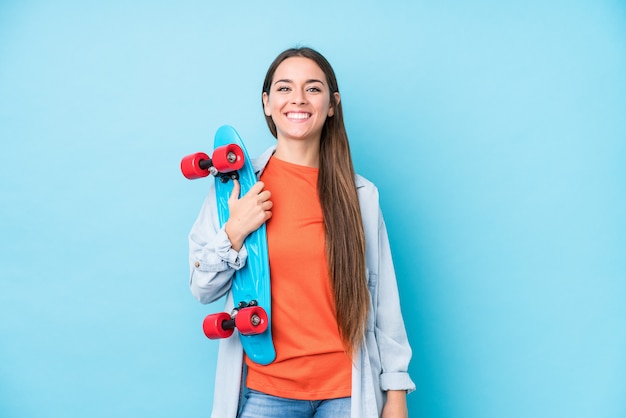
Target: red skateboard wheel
{"type": "Point", "coordinates": [228, 158]}
{"type": "Point", "coordinates": [251, 320]}
{"type": "Point", "coordinates": [213, 326]}
{"type": "Point", "coordinates": [190, 166]}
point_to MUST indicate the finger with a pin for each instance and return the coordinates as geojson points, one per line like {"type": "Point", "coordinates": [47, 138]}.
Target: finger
{"type": "Point", "coordinates": [267, 205]}
{"type": "Point", "coordinates": [265, 195]}
{"type": "Point", "coordinates": [257, 187]}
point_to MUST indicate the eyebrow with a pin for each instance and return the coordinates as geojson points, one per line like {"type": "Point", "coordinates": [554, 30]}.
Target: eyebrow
{"type": "Point", "coordinates": [285, 80]}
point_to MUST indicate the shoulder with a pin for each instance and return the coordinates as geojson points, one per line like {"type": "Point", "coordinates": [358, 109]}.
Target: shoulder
{"type": "Point", "coordinates": [369, 203]}
{"type": "Point", "coordinates": [260, 162]}
{"type": "Point", "coordinates": [365, 188]}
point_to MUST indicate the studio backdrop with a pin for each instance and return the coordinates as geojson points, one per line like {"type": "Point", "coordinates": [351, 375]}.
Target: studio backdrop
{"type": "Point", "coordinates": [495, 132]}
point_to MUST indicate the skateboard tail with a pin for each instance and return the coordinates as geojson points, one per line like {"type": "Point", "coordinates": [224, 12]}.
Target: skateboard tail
{"type": "Point", "coordinates": [256, 351]}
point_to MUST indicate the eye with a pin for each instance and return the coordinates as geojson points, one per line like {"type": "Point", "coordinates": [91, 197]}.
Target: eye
{"type": "Point", "coordinates": [283, 88]}
{"type": "Point", "coordinates": [314, 89]}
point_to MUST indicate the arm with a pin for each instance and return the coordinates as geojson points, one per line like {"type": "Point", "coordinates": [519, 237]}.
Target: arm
{"type": "Point", "coordinates": [394, 349]}
{"type": "Point", "coordinates": [395, 407]}
{"type": "Point", "coordinates": [213, 255]}
{"type": "Point", "coordinates": [212, 260]}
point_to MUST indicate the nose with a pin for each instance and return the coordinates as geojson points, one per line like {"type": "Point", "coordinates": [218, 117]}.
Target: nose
{"type": "Point", "coordinates": [299, 97]}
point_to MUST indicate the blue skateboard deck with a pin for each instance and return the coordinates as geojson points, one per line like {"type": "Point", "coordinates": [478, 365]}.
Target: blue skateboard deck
{"type": "Point", "coordinates": [251, 283]}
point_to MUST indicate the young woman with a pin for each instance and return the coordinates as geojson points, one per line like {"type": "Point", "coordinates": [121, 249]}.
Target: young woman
{"type": "Point", "coordinates": [341, 345]}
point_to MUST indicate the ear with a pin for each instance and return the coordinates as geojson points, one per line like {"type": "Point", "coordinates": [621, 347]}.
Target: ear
{"type": "Point", "coordinates": [331, 109]}
{"type": "Point", "coordinates": [266, 107]}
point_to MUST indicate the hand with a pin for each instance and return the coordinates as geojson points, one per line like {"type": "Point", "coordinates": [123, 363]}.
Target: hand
{"type": "Point", "coordinates": [395, 407]}
{"type": "Point", "coordinates": [247, 213]}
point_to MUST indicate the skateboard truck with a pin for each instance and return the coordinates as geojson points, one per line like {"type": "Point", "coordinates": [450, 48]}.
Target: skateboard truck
{"type": "Point", "coordinates": [247, 317]}
{"type": "Point", "coordinates": [226, 161]}
{"type": "Point", "coordinates": [225, 177]}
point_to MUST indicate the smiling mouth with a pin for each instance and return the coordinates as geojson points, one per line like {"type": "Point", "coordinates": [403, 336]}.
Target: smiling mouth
{"type": "Point", "coordinates": [298, 115]}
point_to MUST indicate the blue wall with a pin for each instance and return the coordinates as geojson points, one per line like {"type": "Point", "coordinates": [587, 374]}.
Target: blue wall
{"type": "Point", "coordinates": [495, 132]}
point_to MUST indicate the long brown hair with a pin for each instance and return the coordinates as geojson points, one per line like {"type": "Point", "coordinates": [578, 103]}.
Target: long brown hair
{"type": "Point", "coordinates": [345, 238]}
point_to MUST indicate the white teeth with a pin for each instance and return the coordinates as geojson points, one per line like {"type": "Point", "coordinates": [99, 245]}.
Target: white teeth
{"type": "Point", "coordinates": [298, 115]}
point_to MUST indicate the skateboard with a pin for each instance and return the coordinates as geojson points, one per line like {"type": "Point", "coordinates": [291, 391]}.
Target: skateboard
{"type": "Point", "coordinates": [251, 284]}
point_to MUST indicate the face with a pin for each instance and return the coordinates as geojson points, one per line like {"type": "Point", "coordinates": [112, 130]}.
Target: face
{"type": "Point", "coordinates": [299, 100]}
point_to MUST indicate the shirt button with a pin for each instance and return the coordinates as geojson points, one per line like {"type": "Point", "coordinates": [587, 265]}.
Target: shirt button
{"type": "Point", "coordinates": [197, 264]}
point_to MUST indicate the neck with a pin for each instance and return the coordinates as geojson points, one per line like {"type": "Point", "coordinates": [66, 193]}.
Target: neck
{"type": "Point", "coordinates": [305, 153]}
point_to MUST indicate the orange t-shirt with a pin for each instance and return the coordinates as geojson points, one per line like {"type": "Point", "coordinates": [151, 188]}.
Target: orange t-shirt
{"type": "Point", "coordinates": [311, 363]}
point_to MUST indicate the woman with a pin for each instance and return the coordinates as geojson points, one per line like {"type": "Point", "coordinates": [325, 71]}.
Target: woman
{"type": "Point", "coordinates": [341, 345]}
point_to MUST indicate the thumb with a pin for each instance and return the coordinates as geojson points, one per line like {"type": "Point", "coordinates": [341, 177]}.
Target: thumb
{"type": "Point", "coordinates": [234, 194]}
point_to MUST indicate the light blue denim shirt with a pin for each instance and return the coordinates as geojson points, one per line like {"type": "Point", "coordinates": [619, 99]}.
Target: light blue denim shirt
{"type": "Point", "coordinates": [382, 361]}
